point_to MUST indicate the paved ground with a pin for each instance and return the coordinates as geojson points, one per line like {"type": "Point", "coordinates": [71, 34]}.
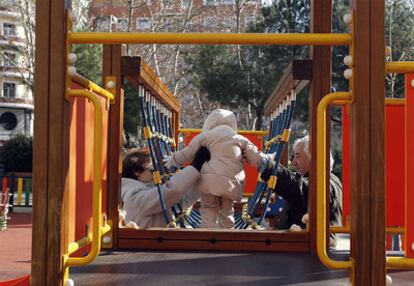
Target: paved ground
{"type": "Point", "coordinates": [15, 246]}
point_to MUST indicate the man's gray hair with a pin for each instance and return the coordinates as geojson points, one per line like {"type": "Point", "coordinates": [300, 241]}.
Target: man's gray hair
{"type": "Point", "coordinates": [304, 142]}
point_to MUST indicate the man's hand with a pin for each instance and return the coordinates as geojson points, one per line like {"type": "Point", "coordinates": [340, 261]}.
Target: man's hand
{"type": "Point", "coordinates": [266, 170]}
{"type": "Point", "coordinates": [201, 156]}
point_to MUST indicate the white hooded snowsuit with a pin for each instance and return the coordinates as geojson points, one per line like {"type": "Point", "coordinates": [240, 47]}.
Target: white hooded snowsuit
{"type": "Point", "coordinates": [222, 177]}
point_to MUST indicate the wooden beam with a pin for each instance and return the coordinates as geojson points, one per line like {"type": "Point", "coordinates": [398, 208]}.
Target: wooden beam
{"type": "Point", "coordinates": [58, 166]}
{"type": "Point", "coordinates": [321, 22]}
{"type": "Point", "coordinates": [50, 145]}
{"type": "Point", "coordinates": [112, 67]}
{"type": "Point", "coordinates": [40, 145]}
{"type": "Point", "coordinates": [138, 73]}
{"type": "Point", "coordinates": [367, 145]}
{"type": "Point", "coordinates": [296, 76]}
{"type": "Point", "coordinates": [230, 240]}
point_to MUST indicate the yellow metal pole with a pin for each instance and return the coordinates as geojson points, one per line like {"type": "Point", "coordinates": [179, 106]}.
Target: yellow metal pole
{"type": "Point", "coordinates": [347, 229]}
{"type": "Point", "coordinates": [92, 86]}
{"type": "Point", "coordinates": [241, 132]}
{"type": "Point", "coordinates": [343, 98]}
{"type": "Point", "coordinates": [97, 176]}
{"type": "Point", "coordinates": [394, 101]}
{"type": "Point", "coordinates": [84, 241]}
{"type": "Point", "coordinates": [400, 263]}
{"type": "Point", "coordinates": [320, 39]}
{"type": "Point", "coordinates": [399, 67]}
{"type": "Point", "coordinates": [19, 191]}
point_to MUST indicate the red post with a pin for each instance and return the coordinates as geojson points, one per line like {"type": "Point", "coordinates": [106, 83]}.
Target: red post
{"type": "Point", "coordinates": [409, 165]}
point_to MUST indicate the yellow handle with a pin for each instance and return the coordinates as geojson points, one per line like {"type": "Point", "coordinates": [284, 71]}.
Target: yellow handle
{"type": "Point", "coordinates": [96, 186]}
{"type": "Point", "coordinates": [332, 98]}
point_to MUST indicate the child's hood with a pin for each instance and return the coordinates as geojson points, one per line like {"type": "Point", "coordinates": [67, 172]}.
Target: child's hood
{"type": "Point", "coordinates": [220, 117]}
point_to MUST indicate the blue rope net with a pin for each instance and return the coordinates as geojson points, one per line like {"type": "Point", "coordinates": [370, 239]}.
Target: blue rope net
{"type": "Point", "coordinates": [279, 131]}
{"type": "Point", "coordinates": [158, 132]}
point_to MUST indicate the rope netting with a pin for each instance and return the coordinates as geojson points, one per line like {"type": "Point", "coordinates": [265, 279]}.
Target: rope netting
{"type": "Point", "coordinates": [279, 132]}
{"type": "Point", "coordinates": [158, 131]}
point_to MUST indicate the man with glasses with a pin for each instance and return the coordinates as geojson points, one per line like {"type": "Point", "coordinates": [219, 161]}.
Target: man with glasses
{"type": "Point", "coordinates": [293, 188]}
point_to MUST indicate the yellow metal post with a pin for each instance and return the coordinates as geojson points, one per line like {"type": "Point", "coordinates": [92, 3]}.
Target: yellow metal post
{"type": "Point", "coordinates": [316, 39]}
{"type": "Point", "coordinates": [342, 98]}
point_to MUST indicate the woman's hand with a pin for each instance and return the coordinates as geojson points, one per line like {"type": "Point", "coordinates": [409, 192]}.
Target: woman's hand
{"type": "Point", "coordinates": [201, 156]}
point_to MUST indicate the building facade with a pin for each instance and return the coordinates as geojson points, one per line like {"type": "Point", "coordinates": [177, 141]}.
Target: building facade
{"type": "Point", "coordinates": [16, 97]}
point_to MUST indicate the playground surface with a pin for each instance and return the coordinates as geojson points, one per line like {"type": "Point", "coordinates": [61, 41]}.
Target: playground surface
{"type": "Point", "coordinates": [219, 269]}
{"type": "Point", "coordinates": [16, 245]}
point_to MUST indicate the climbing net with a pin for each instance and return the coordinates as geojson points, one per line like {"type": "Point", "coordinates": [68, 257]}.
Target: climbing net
{"type": "Point", "coordinates": [279, 132]}
{"type": "Point", "coordinates": [158, 132]}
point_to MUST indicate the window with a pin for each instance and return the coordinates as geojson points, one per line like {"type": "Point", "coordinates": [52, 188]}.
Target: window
{"type": "Point", "coordinates": [209, 2]}
{"type": "Point", "coordinates": [8, 121]}
{"type": "Point", "coordinates": [229, 22]}
{"type": "Point", "coordinates": [185, 3]}
{"type": "Point", "coordinates": [122, 24]}
{"type": "Point", "coordinates": [102, 24]}
{"type": "Point", "coordinates": [208, 21]}
{"type": "Point", "coordinates": [227, 2]}
{"type": "Point", "coordinates": [9, 59]}
{"type": "Point", "coordinates": [9, 29]}
{"type": "Point", "coordinates": [249, 20]}
{"type": "Point", "coordinates": [9, 89]}
{"type": "Point", "coordinates": [143, 23]}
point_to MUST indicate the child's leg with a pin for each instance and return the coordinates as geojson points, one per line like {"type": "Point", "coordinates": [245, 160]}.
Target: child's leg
{"type": "Point", "coordinates": [226, 213]}
{"type": "Point", "coordinates": [209, 208]}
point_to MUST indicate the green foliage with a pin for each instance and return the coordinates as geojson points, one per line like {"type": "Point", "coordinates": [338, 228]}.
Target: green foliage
{"type": "Point", "coordinates": [399, 35]}
{"type": "Point", "coordinates": [16, 154]}
{"type": "Point", "coordinates": [237, 76]}
{"type": "Point", "coordinates": [89, 61]}
{"type": "Point", "coordinates": [132, 117]}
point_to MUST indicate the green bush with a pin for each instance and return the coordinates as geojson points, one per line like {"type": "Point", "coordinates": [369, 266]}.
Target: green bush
{"type": "Point", "coordinates": [17, 154]}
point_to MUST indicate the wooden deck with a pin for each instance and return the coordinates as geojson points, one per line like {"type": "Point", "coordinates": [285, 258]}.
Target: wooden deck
{"type": "Point", "coordinates": [207, 268]}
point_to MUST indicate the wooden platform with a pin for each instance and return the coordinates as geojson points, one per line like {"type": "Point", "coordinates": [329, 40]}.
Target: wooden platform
{"type": "Point", "coordinates": [207, 268]}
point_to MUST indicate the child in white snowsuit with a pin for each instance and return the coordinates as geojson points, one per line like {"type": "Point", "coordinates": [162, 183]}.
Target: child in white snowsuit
{"type": "Point", "coordinates": [222, 177]}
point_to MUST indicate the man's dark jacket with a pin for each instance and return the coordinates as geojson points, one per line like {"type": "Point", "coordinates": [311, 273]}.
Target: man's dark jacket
{"type": "Point", "coordinates": [293, 188]}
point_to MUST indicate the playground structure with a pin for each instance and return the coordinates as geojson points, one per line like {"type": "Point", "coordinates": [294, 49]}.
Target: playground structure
{"type": "Point", "coordinates": [58, 160]}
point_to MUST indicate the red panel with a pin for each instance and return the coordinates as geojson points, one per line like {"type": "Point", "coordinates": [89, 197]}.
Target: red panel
{"type": "Point", "coordinates": [394, 157]}
{"type": "Point", "coordinates": [4, 185]}
{"type": "Point", "coordinates": [251, 172]}
{"type": "Point", "coordinates": [81, 166]}
{"type": "Point", "coordinates": [394, 166]}
{"type": "Point", "coordinates": [409, 164]}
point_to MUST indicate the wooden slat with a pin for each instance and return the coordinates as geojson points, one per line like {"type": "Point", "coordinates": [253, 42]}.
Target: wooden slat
{"type": "Point", "coordinates": [367, 145]}
{"type": "Point", "coordinates": [320, 86]}
{"type": "Point", "coordinates": [40, 145]}
{"type": "Point", "coordinates": [139, 73]}
{"type": "Point", "coordinates": [216, 246]}
{"type": "Point", "coordinates": [296, 76]}
{"type": "Point", "coordinates": [199, 234]}
{"type": "Point", "coordinates": [237, 240]}
{"type": "Point", "coordinates": [112, 66]}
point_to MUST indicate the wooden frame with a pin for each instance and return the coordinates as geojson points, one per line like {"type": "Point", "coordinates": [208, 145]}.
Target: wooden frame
{"type": "Point", "coordinates": [296, 76]}
{"type": "Point", "coordinates": [367, 145]}
{"type": "Point", "coordinates": [138, 73]}
{"type": "Point", "coordinates": [51, 127]}
{"type": "Point", "coordinates": [112, 66]}
{"type": "Point", "coordinates": [50, 182]}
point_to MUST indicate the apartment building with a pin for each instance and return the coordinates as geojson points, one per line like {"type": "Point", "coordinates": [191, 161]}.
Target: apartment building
{"type": "Point", "coordinates": [174, 15]}
{"type": "Point", "coordinates": [16, 98]}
